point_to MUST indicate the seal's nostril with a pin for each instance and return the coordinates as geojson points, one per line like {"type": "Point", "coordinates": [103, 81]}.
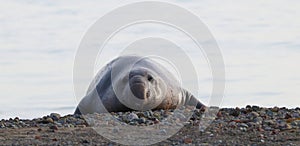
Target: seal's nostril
{"type": "Point", "coordinates": [150, 78]}
{"type": "Point", "coordinates": [148, 94]}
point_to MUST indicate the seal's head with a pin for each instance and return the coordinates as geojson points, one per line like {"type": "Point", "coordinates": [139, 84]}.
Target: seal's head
{"type": "Point", "coordinates": [138, 83]}
{"type": "Point", "coordinates": [141, 83]}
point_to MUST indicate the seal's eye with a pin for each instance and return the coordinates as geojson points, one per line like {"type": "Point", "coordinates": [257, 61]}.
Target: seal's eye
{"type": "Point", "coordinates": [150, 78]}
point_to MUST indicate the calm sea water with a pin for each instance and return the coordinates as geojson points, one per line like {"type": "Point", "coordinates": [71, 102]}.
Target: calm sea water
{"type": "Point", "coordinates": [259, 41]}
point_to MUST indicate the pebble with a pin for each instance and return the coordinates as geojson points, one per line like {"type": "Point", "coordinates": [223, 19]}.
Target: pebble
{"type": "Point", "coordinates": [232, 124]}
{"type": "Point", "coordinates": [37, 137]}
{"type": "Point", "coordinates": [255, 108]}
{"type": "Point", "coordinates": [115, 130]}
{"type": "Point", "coordinates": [53, 127]}
{"type": "Point", "coordinates": [258, 120]}
{"type": "Point", "coordinates": [234, 112]}
{"type": "Point", "coordinates": [267, 121]}
{"type": "Point", "coordinates": [269, 113]}
{"type": "Point", "coordinates": [187, 140]}
{"type": "Point", "coordinates": [244, 125]}
{"type": "Point", "coordinates": [296, 123]}
{"type": "Point", "coordinates": [180, 116]}
{"type": "Point", "coordinates": [55, 116]}
{"type": "Point", "coordinates": [81, 126]}
{"type": "Point", "coordinates": [162, 132]}
{"type": "Point", "coordinates": [275, 109]}
{"type": "Point", "coordinates": [132, 116]}
{"type": "Point", "coordinates": [254, 114]}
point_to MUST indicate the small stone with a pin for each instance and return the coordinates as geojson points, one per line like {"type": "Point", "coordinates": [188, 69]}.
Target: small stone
{"type": "Point", "coordinates": [157, 115]}
{"type": "Point", "coordinates": [269, 122]}
{"type": "Point", "coordinates": [13, 126]}
{"type": "Point", "coordinates": [55, 116]}
{"type": "Point", "coordinates": [69, 125]}
{"type": "Point", "coordinates": [58, 124]}
{"type": "Point", "coordinates": [49, 120]}
{"type": "Point", "coordinates": [37, 137]}
{"type": "Point", "coordinates": [244, 125]}
{"type": "Point", "coordinates": [156, 121]}
{"type": "Point", "coordinates": [2, 125]}
{"type": "Point", "coordinates": [148, 114]}
{"type": "Point", "coordinates": [180, 116]}
{"type": "Point", "coordinates": [296, 123]}
{"type": "Point", "coordinates": [187, 140]}
{"type": "Point", "coordinates": [252, 124]}
{"type": "Point", "coordinates": [16, 119]}
{"type": "Point", "coordinates": [296, 114]}
{"type": "Point", "coordinates": [234, 113]}
{"type": "Point", "coordinates": [288, 126]}
{"type": "Point", "coordinates": [269, 113]}
{"type": "Point", "coordinates": [53, 127]}
{"type": "Point", "coordinates": [282, 125]}
{"type": "Point", "coordinates": [258, 120]}
{"type": "Point", "coordinates": [133, 123]}
{"type": "Point", "coordinates": [275, 131]}
{"type": "Point", "coordinates": [116, 130]}
{"type": "Point", "coordinates": [268, 128]}
{"type": "Point", "coordinates": [141, 115]}
{"type": "Point", "coordinates": [255, 108]}
{"type": "Point", "coordinates": [163, 132]}
{"type": "Point", "coordinates": [81, 126]}
{"type": "Point", "coordinates": [260, 129]}
{"type": "Point", "coordinates": [132, 116]}
{"type": "Point", "coordinates": [275, 109]}
{"type": "Point", "coordinates": [254, 114]}
{"type": "Point", "coordinates": [248, 106]}
{"type": "Point", "coordinates": [243, 129]}
{"type": "Point", "coordinates": [141, 120]}
{"type": "Point", "coordinates": [287, 116]}
{"type": "Point", "coordinates": [219, 114]}
{"type": "Point", "coordinates": [85, 141]}
{"type": "Point", "coordinates": [39, 129]}
{"type": "Point", "coordinates": [232, 124]}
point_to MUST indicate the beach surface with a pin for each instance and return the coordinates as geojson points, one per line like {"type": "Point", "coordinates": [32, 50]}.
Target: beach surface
{"type": "Point", "coordinates": [251, 125]}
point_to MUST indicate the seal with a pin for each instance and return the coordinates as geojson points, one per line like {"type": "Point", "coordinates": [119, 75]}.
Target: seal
{"type": "Point", "coordinates": [134, 83]}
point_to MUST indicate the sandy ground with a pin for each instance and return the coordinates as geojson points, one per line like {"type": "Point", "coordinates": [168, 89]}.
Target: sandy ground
{"type": "Point", "coordinates": [247, 126]}
{"type": "Point", "coordinates": [189, 135]}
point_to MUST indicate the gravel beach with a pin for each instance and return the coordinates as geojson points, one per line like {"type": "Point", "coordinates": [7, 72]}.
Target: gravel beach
{"type": "Point", "coordinates": [251, 125]}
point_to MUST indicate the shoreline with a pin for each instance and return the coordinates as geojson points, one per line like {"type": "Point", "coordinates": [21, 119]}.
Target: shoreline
{"type": "Point", "coordinates": [251, 125]}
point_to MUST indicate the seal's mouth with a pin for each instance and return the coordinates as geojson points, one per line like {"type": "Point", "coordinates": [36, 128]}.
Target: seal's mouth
{"type": "Point", "coordinates": [140, 90]}
{"type": "Point", "coordinates": [139, 81]}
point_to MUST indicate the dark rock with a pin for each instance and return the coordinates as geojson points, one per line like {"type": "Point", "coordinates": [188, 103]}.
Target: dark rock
{"type": "Point", "coordinates": [53, 127]}
{"type": "Point", "coordinates": [269, 113]}
{"type": "Point", "coordinates": [188, 140]}
{"type": "Point", "coordinates": [275, 109]}
{"type": "Point", "coordinates": [234, 112]}
{"type": "Point", "coordinates": [287, 116]}
{"type": "Point", "coordinates": [37, 137]}
{"type": "Point", "coordinates": [55, 116]}
{"type": "Point", "coordinates": [85, 141]}
{"type": "Point", "coordinates": [255, 108]}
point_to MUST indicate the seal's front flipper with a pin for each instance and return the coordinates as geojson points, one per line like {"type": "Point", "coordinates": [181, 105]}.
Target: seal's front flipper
{"type": "Point", "coordinates": [191, 100]}
{"type": "Point", "coordinates": [77, 111]}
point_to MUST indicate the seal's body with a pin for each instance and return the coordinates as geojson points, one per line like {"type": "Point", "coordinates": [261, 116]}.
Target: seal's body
{"type": "Point", "coordinates": [134, 83]}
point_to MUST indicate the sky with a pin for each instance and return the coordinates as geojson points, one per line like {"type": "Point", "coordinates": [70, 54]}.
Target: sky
{"type": "Point", "coordinates": [259, 41]}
